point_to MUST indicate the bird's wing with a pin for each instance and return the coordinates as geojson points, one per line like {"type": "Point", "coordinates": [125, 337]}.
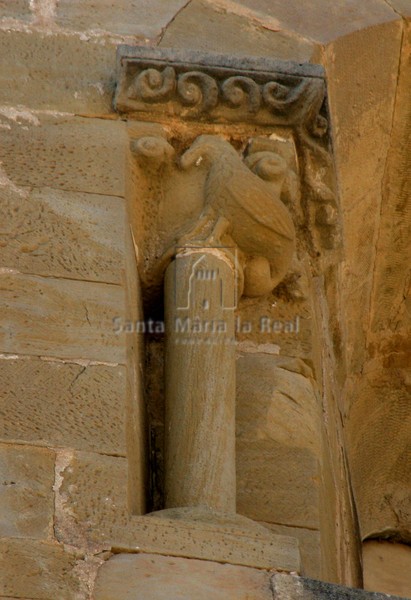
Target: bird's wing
{"type": "Point", "coordinates": [259, 201]}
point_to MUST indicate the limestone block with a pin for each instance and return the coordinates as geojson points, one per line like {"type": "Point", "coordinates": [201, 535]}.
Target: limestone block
{"type": "Point", "coordinates": [37, 570]}
{"type": "Point", "coordinates": [387, 568]}
{"type": "Point", "coordinates": [403, 7]}
{"type": "Point", "coordinates": [92, 512]}
{"type": "Point", "coordinates": [69, 153]}
{"type": "Point", "coordinates": [276, 482]}
{"type": "Point", "coordinates": [390, 308]}
{"type": "Point", "coordinates": [79, 79]}
{"type": "Point", "coordinates": [379, 451]}
{"type": "Point", "coordinates": [362, 72]}
{"type": "Point", "coordinates": [322, 22]}
{"type": "Point", "coordinates": [43, 316]}
{"type": "Point", "coordinates": [309, 541]}
{"type": "Point", "coordinates": [137, 431]}
{"type": "Point", "coordinates": [278, 442]}
{"type": "Point", "coordinates": [26, 496]}
{"type": "Point", "coordinates": [227, 33]}
{"type": "Point", "coordinates": [287, 587]}
{"type": "Point", "coordinates": [63, 234]}
{"type": "Point", "coordinates": [63, 405]}
{"type": "Point", "coordinates": [379, 414]}
{"type": "Point", "coordinates": [152, 577]}
{"type": "Point", "coordinates": [17, 9]}
{"type": "Point", "coordinates": [93, 490]}
{"type": "Point", "coordinates": [137, 18]}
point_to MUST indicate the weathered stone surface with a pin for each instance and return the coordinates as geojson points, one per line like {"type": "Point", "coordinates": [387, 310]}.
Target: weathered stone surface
{"type": "Point", "coordinates": [322, 22]}
{"type": "Point", "coordinates": [362, 72]}
{"type": "Point", "coordinates": [94, 492]}
{"type": "Point", "coordinates": [63, 234]}
{"type": "Point", "coordinates": [379, 412]}
{"type": "Point", "coordinates": [92, 512]}
{"type": "Point", "coordinates": [224, 99]}
{"type": "Point", "coordinates": [38, 570]}
{"type": "Point", "coordinates": [200, 385]}
{"type": "Point", "coordinates": [278, 441]}
{"type": "Point", "coordinates": [286, 587]}
{"type": "Point", "coordinates": [80, 78]}
{"type": "Point", "coordinates": [63, 405]}
{"type": "Point", "coordinates": [137, 18]}
{"type": "Point", "coordinates": [299, 316]}
{"type": "Point", "coordinates": [390, 300]}
{"type": "Point", "coordinates": [225, 32]}
{"type": "Point", "coordinates": [378, 419]}
{"type": "Point", "coordinates": [68, 153]}
{"type": "Point", "coordinates": [363, 77]}
{"type": "Point", "coordinates": [378, 434]}
{"type": "Point", "coordinates": [136, 418]}
{"type": "Point", "coordinates": [340, 547]}
{"type": "Point", "coordinates": [387, 568]}
{"type": "Point", "coordinates": [17, 9]}
{"type": "Point", "coordinates": [309, 541]}
{"type": "Point", "coordinates": [401, 6]}
{"type": "Point", "coordinates": [362, 68]}
{"type": "Point", "coordinates": [62, 318]}
{"type": "Point", "coordinates": [26, 495]}
{"type": "Point", "coordinates": [152, 577]}
{"type": "Point", "coordinates": [259, 498]}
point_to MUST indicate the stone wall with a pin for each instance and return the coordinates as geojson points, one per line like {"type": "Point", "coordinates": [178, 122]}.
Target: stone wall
{"type": "Point", "coordinates": [72, 466]}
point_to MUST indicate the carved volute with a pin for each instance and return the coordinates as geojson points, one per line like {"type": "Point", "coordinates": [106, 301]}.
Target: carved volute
{"type": "Point", "coordinates": [240, 207]}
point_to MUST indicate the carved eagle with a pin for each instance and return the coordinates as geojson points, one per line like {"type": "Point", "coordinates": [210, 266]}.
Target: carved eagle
{"type": "Point", "coordinates": [239, 203]}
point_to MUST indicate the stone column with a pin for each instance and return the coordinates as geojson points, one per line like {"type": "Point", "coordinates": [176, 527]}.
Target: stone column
{"type": "Point", "coordinates": [200, 292]}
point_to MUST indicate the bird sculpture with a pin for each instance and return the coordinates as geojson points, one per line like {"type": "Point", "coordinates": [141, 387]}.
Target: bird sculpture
{"type": "Point", "coordinates": [240, 207]}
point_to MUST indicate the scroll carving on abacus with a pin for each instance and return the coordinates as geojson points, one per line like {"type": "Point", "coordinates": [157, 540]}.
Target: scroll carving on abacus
{"type": "Point", "coordinates": [166, 85]}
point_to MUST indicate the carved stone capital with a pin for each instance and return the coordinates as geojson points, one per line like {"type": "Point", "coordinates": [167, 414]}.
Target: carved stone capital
{"type": "Point", "coordinates": [270, 102]}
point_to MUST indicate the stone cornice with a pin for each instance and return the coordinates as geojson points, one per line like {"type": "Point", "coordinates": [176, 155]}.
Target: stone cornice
{"type": "Point", "coordinates": [211, 87]}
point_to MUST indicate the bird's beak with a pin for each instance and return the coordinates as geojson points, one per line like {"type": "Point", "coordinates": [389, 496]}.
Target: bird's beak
{"type": "Point", "coordinates": [190, 157]}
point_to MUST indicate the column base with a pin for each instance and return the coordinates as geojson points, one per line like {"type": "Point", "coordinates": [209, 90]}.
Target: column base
{"type": "Point", "coordinates": [234, 539]}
